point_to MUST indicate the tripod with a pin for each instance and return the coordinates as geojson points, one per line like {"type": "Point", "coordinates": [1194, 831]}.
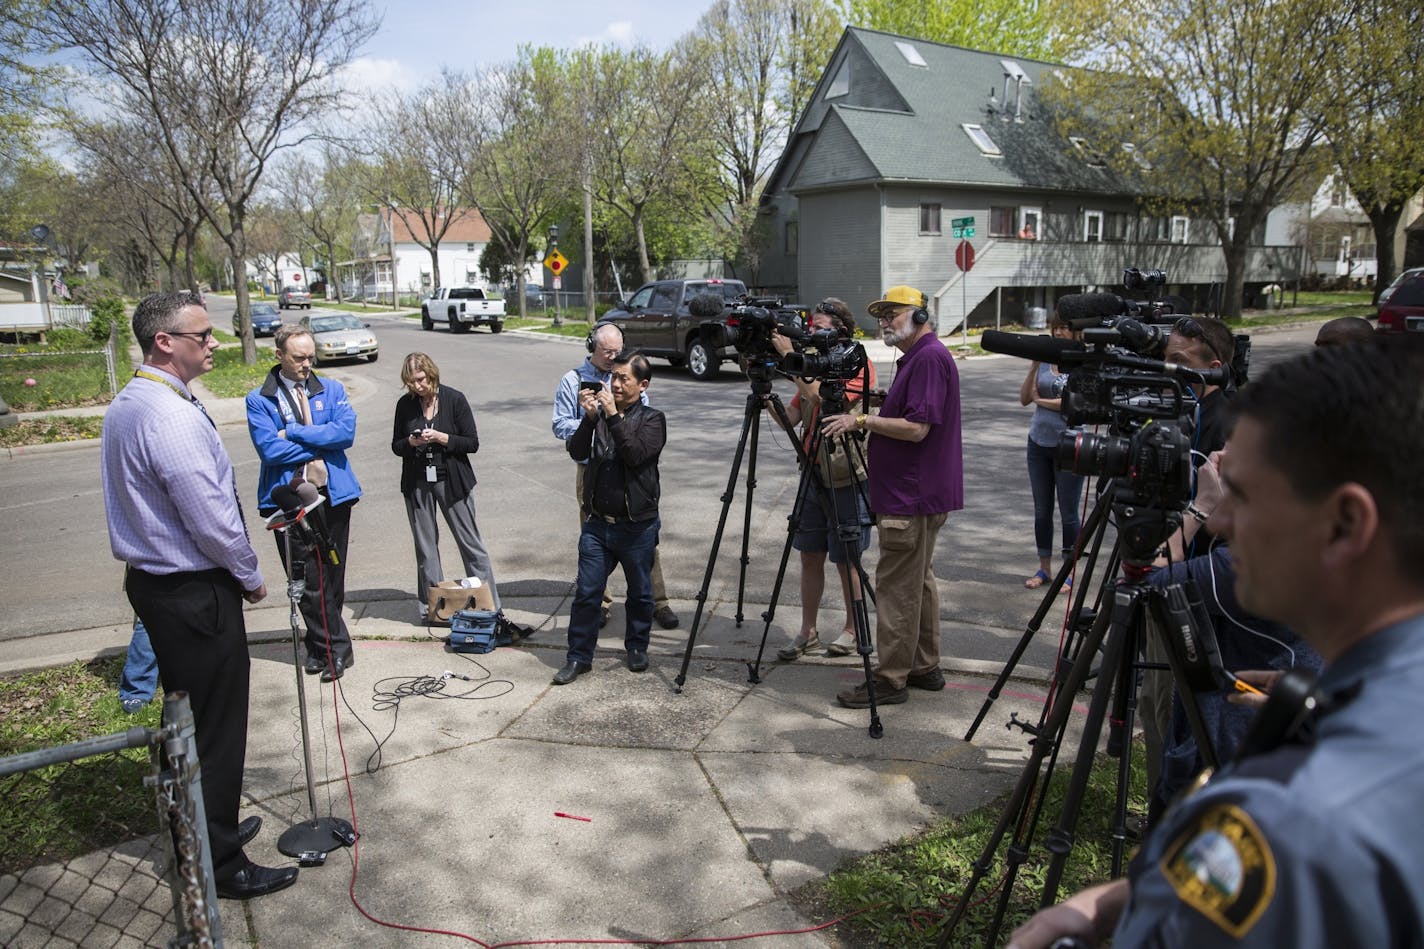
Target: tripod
{"type": "Point", "coordinates": [309, 841]}
{"type": "Point", "coordinates": [848, 535]}
{"type": "Point", "coordinates": [1117, 630]}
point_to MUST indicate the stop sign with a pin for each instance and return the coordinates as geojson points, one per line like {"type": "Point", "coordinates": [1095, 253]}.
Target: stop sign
{"type": "Point", "coordinates": [964, 256]}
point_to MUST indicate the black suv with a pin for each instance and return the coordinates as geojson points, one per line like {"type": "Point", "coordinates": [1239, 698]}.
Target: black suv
{"type": "Point", "coordinates": [656, 320]}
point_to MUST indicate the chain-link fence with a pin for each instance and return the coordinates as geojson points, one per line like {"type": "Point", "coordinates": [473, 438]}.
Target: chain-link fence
{"type": "Point", "coordinates": [99, 848]}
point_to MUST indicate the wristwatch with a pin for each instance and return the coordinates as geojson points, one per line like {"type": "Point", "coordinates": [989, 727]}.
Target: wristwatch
{"type": "Point", "coordinates": [860, 421]}
{"type": "Point", "coordinates": [1200, 515]}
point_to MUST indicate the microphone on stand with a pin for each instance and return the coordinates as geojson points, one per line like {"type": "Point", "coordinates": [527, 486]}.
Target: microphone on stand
{"type": "Point", "coordinates": [295, 507]}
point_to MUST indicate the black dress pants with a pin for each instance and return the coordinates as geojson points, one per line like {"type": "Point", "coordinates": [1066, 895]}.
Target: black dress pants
{"type": "Point", "coordinates": [195, 623]}
{"type": "Point", "coordinates": [325, 583]}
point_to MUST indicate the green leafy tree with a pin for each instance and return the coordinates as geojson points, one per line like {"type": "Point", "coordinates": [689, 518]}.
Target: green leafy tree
{"type": "Point", "coordinates": [1374, 117]}
{"type": "Point", "coordinates": [1012, 27]}
{"type": "Point", "coordinates": [1221, 109]}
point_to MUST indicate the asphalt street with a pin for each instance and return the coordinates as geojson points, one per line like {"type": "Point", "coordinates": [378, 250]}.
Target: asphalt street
{"type": "Point", "coordinates": [59, 576]}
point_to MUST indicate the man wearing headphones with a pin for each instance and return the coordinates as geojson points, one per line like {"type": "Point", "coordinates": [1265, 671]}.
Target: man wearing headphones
{"type": "Point", "coordinates": [604, 343]}
{"type": "Point", "coordinates": [916, 479]}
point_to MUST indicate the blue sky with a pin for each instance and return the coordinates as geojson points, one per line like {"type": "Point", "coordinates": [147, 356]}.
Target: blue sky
{"type": "Point", "coordinates": [418, 37]}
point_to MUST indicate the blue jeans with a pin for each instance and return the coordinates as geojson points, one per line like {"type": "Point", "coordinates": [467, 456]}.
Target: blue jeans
{"type": "Point", "coordinates": [1046, 479]}
{"type": "Point", "coordinates": [602, 546]}
{"type": "Point", "coordinates": [140, 677]}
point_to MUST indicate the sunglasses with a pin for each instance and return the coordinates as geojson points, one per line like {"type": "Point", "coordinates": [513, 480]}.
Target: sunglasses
{"type": "Point", "coordinates": [1191, 329]}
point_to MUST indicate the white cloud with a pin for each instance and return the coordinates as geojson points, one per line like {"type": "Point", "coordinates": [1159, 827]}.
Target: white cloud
{"type": "Point", "coordinates": [370, 75]}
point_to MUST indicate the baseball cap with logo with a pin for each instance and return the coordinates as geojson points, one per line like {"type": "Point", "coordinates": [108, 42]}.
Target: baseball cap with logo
{"type": "Point", "coordinates": [897, 296]}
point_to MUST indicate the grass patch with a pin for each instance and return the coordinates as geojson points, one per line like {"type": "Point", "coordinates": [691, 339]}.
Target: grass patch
{"type": "Point", "coordinates": [60, 811]}
{"type": "Point", "coordinates": [44, 431]}
{"type": "Point", "coordinates": [1327, 297]}
{"type": "Point", "coordinates": [1279, 317]}
{"type": "Point", "coordinates": [230, 377]}
{"type": "Point", "coordinates": [902, 896]}
{"type": "Point", "coordinates": [62, 379]}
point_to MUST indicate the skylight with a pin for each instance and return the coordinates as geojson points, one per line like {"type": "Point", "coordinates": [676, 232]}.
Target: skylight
{"type": "Point", "coordinates": [981, 138]}
{"type": "Point", "coordinates": [912, 55]}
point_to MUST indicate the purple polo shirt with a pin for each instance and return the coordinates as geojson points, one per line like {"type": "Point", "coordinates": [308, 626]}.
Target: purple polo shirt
{"type": "Point", "coordinates": [924, 477]}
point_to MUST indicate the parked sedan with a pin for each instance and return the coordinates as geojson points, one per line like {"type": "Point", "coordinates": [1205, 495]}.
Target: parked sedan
{"type": "Point", "coordinates": [266, 320]}
{"type": "Point", "coordinates": [1401, 305]}
{"type": "Point", "coordinates": [341, 336]}
{"type": "Point", "coordinates": [294, 296]}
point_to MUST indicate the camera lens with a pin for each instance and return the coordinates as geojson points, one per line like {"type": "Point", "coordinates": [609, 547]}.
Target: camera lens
{"type": "Point", "coordinates": [1084, 453]}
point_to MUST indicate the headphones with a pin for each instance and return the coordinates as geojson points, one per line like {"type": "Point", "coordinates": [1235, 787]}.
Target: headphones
{"type": "Point", "coordinates": [588, 342]}
{"type": "Point", "coordinates": [921, 316]}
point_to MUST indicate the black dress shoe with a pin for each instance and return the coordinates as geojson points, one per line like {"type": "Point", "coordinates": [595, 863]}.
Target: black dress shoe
{"type": "Point", "coordinates": [666, 618]}
{"type": "Point", "coordinates": [571, 671]}
{"type": "Point", "coordinates": [637, 661]}
{"type": "Point", "coordinates": [248, 829]}
{"type": "Point", "coordinates": [313, 665]}
{"type": "Point", "coordinates": [253, 880]}
{"type": "Point", "coordinates": [334, 671]}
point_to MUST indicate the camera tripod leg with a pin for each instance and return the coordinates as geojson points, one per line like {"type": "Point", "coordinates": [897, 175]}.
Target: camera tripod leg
{"type": "Point", "coordinates": [1094, 529]}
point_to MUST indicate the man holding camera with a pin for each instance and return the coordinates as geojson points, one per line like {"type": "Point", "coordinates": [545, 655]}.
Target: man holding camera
{"type": "Point", "coordinates": [834, 488]}
{"type": "Point", "coordinates": [619, 439]}
{"type": "Point", "coordinates": [1305, 844]}
{"type": "Point", "coordinates": [604, 343]}
{"type": "Point", "coordinates": [917, 478]}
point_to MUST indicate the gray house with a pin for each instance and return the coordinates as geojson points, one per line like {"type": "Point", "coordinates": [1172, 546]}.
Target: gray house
{"type": "Point", "coordinates": [903, 137]}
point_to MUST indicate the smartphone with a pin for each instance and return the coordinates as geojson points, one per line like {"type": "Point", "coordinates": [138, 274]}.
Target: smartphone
{"type": "Point", "coordinates": [591, 384]}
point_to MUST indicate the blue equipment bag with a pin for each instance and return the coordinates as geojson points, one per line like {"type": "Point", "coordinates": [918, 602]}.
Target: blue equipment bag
{"type": "Point", "coordinates": [472, 631]}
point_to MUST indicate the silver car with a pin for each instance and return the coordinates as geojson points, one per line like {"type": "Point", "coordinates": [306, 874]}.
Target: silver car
{"type": "Point", "coordinates": [341, 336]}
{"type": "Point", "coordinates": [294, 296]}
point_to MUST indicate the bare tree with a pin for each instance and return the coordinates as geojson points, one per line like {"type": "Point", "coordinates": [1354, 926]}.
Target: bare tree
{"type": "Point", "coordinates": [223, 85]}
{"type": "Point", "coordinates": [322, 196]}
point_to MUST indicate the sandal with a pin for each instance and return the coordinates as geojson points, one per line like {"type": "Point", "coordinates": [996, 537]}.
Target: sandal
{"type": "Point", "coordinates": [1067, 585]}
{"type": "Point", "coordinates": [1037, 580]}
{"type": "Point", "coordinates": [799, 647]}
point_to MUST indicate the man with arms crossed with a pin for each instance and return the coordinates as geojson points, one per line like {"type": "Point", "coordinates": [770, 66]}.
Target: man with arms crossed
{"type": "Point", "coordinates": [174, 519]}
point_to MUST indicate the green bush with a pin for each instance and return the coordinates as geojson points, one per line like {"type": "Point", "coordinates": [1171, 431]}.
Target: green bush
{"type": "Point", "coordinates": [67, 338]}
{"type": "Point", "coordinates": [108, 311]}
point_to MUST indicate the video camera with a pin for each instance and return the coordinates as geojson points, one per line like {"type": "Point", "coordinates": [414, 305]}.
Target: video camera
{"type": "Point", "coordinates": [824, 354]}
{"type": "Point", "coordinates": [747, 326]}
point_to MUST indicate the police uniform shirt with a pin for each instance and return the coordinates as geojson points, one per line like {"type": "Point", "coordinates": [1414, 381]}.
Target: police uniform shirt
{"type": "Point", "coordinates": [1308, 845]}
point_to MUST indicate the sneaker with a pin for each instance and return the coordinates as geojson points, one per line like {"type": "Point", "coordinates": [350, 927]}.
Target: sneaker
{"type": "Point", "coordinates": [666, 618]}
{"type": "Point", "coordinates": [859, 697]}
{"type": "Point", "coordinates": [842, 645]}
{"type": "Point", "coordinates": [133, 706]}
{"type": "Point", "coordinates": [801, 645]}
{"type": "Point", "coordinates": [932, 681]}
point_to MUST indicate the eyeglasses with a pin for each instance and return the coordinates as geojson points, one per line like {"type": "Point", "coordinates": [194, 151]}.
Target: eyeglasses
{"type": "Point", "coordinates": [1191, 329]}
{"type": "Point", "coordinates": [202, 337]}
{"type": "Point", "coordinates": [890, 317]}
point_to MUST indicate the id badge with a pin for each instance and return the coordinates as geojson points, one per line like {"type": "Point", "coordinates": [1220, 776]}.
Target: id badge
{"type": "Point", "coordinates": [430, 474]}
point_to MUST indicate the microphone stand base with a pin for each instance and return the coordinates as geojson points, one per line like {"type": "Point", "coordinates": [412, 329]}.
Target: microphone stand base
{"type": "Point", "coordinates": [311, 840]}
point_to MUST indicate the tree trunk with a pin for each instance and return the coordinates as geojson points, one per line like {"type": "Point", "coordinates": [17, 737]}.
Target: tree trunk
{"type": "Point", "coordinates": [1232, 292]}
{"type": "Point", "coordinates": [1385, 221]}
{"type": "Point", "coordinates": [590, 290]}
{"type": "Point", "coordinates": [646, 267]}
{"type": "Point", "coordinates": [331, 276]}
{"type": "Point", "coordinates": [434, 266]}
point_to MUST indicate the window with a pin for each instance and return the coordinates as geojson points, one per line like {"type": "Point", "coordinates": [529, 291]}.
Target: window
{"type": "Point", "coordinates": [912, 55]}
{"type": "Point", "coordinates": [664, 297]}
{"type": "Point", "coordinates": [1337, 193]}
{"type": "Point", "coordinates": [1001, 222]}
{"type": "Point", "coordinates": [1115, 226]}
{"type": "Point", "coordinates": [840, 85]}
{"type": "Point", "coordinates": [981, 138]}
{"type": "Point", "coordinates": [469, 247]}
{"type": "Point", "coordinates": [1157, 229]}
{"type": "Point", "coordinates": [793, 237]}
{"type": "Point", "coordinates": [1180, 227]}
{"type": "Point", "coordinates": [1092, 226]}
{"type": "Point", "coordinates": [1032, 227]}
{"type": "Point", "coordinates": [472, 277]}
{"type": "Point", "coordinates": [424, 280]}
{"type": "Point", "coordinates": [929, 219]}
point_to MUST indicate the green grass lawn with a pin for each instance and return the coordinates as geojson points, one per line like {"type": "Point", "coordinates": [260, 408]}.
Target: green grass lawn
{"type": "Point", "coordinates": [62, 380]}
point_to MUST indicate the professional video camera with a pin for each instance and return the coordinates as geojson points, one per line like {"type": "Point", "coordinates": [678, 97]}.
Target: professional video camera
{"type": "Point", "coordinates": [824, 354]}
{"type": "Point", "coordinates": [748, 325]}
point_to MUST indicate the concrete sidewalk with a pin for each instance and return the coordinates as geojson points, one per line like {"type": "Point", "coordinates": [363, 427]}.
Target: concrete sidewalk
{"type": "Point", "coordinates": [705, 808]}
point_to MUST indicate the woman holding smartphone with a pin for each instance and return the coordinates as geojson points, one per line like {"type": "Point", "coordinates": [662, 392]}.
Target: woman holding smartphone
{"type": "Point", "coordinates": [435, 435]}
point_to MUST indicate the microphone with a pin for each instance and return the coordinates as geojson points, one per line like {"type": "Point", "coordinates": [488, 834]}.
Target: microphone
{"type": "Point", "coordinates": [294, 514]}
{"type": "Point", "coordinates": [1046, 349]}
{"type": "Point", "coordinates": [706, 305]}
{"type": "Point", "coordinates": [1082, 310]}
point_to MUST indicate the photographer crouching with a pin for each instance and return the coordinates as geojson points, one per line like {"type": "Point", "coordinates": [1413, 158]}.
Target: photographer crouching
{"type": "Point", "coordinates": [834, 486]}
{"type": "Point", "coordinates": [915, 454]}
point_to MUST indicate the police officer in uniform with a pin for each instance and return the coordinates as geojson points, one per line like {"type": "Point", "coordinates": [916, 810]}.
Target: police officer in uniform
{"type": "Point", "coordinates": [1311, 843]}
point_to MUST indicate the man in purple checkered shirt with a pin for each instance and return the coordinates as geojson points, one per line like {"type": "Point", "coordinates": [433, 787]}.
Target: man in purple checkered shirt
{"type": "Point", "coordinates": [174, 519]}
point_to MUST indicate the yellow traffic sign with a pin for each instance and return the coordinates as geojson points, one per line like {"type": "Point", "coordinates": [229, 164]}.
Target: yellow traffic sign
{"type": "Point", "coordinates": [556, 262]}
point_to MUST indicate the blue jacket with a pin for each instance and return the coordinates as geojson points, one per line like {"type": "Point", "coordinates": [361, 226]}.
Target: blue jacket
{"type": "Point", "coordinates": [333, 430]}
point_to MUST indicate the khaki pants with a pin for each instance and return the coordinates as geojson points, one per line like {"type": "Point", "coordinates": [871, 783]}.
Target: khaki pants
{"type": "Point", "coordinates": [907, 630]}
{"type": "Point", "coordinates": [660, 599]}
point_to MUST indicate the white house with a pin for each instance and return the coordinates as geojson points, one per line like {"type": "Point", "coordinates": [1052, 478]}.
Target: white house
{"type": "Point", "coordinates": [382, 237]}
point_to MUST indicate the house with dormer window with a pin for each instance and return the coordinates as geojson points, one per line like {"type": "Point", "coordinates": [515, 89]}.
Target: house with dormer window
{"type": "Point", "coordinates": [902, 138]}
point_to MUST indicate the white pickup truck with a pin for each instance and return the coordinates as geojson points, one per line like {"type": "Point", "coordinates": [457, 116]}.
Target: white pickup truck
{"type": "Point", "coordinates": [461, 308]}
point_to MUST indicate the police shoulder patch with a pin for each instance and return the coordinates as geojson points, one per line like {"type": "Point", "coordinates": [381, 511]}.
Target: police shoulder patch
{"type": "Point", "coordinates": [1221, 865]}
